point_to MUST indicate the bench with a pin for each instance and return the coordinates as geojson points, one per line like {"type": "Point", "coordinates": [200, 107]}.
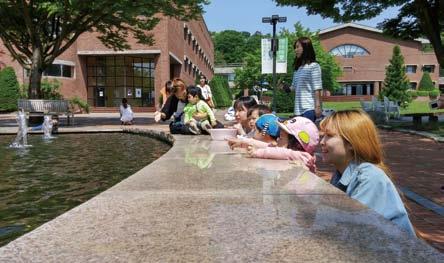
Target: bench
{"type": "Point", "coordinates": [40, 107]}
{"type": "Point", "coordinates": [417, 118]}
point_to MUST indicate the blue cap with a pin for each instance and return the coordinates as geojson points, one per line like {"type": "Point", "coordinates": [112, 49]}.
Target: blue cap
{"type": "Point", "coordinates": [268, 124]}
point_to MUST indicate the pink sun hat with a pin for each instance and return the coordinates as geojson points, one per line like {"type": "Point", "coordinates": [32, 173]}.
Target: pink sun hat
{"type": "Point", "coordinates": [304, 130]}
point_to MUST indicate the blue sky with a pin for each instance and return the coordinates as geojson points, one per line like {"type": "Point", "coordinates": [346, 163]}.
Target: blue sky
{"type": "Point", "coordinates": [246, 15]}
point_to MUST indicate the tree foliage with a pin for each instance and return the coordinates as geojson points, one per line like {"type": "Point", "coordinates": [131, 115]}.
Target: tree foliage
{"type": "Point", "coordinates": [396, 83]}
{"type": "Point", "coordinates": [9, 89]}
{"type": "Point", "coordinates": [250, 74]}
{"type": "Point", "coordinates": [36, 32]}
{"type": "Point", "coordinates": [426, 83]}
{"type": "Point", "coordinates": [231, 46]}
{"type": "Point", "coordinates": [416, 18]}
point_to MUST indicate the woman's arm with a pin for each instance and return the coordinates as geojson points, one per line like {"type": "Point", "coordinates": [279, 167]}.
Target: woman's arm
{"type": "Point", "coordinates": [316, 82]}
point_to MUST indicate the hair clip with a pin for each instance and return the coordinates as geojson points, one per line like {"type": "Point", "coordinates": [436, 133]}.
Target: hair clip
{"type": "Point", "coordinates": [264, 130]}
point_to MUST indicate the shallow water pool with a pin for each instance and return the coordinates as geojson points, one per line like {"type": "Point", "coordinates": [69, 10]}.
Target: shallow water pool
{"type": "Point", "coordinates": [43, 181]}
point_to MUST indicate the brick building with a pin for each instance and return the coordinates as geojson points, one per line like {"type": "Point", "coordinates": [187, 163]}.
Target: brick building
{"type": "Point", "coordinates": [103, 76]}
{"type": "Point", "coordinates": [363, 53]}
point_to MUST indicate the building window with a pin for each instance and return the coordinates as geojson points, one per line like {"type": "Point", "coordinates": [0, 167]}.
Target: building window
{"type": "Point", "coordinates": [347, 69]}
{"type": "Point", "coordinates": [231, 76]}
{"type": "Point", "coordinates": [428, 68]}
{"type": "Point", "coordinates": [349, 51]}
{"type": "Point", "coordinates": [111, 78]}
{"type": "Point", "coordinates": [59, 70]}
{"type": "Point", "coordinates": [410, 69]}
{"type": "Point", "coordinates": [413, 85]}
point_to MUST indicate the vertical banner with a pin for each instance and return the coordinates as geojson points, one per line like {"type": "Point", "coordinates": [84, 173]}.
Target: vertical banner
{"type": "Point", "coordinates": [267, 56]}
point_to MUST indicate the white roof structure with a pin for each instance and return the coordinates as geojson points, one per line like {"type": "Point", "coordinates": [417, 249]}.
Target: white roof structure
{"type": "Point", "coordinates": [368, 28]}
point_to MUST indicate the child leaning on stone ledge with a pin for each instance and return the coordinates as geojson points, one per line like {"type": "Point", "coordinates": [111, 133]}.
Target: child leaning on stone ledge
{"type": "Point", "coordinates": [350, 142]}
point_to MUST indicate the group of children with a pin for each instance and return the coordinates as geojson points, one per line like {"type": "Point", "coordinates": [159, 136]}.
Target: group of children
{"type": "Point", "coordinates": [349, 141]}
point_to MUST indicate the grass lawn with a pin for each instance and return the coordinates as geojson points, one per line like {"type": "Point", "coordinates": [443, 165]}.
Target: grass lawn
{"type": "Point", "coordinates": [414, 107]}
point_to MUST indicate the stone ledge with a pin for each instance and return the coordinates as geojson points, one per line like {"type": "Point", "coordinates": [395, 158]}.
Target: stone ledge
{"type": "Point", "coordinates": [202, 202]}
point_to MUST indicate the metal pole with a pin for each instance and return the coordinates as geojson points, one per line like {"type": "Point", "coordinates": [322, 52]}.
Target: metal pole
{"type": "Point", "coordinates": [274, 48]}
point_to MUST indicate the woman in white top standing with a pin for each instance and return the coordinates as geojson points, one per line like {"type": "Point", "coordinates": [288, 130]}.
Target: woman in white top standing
{"type": "Point", "coordinates": [307, 80]}
{"type": "Point", "coordinates": [206, 92]}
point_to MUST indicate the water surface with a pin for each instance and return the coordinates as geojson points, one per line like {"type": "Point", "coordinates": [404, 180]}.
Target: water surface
{"type": "Point", "coordinates": [43, 181]}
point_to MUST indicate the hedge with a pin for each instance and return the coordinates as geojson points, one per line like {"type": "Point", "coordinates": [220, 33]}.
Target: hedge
{"type": "Point", "coordinates": [284, 101]}
{"type": "Point", "coordinates": [422, 93]}
{"type": "Point", "coordinates": [9, 89]}
{"type": "Point", "coordinates": [413, 93]}
{"type": "Point", "coordinates": [434, 93]}
{"type": "Point", "coordinates": [221, 92]}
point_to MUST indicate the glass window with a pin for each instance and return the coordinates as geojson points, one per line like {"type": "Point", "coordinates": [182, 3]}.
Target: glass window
{"type": "Point", "coordinates": [347, 69]}
{"type": "Point", "coordinates": [67, 71]}
{"type": "Point", "coordinates": [91, 71]}
{"type": "Point", "coordinates": [413, 85]}
{"type": "Point", "coordinates": [120, 76]}
{"type": "Point", "coordinates": [349, 51]}
{"type": "Point", "coordinates": [410, 69]}
{"type": "Point", "coordinates": [428, 68]}
{"type": "Point", "coordinates": [54, 70]}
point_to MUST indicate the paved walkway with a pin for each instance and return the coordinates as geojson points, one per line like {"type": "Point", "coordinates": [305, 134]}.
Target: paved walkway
{"type": "Point", "coordinates": [416, 163]}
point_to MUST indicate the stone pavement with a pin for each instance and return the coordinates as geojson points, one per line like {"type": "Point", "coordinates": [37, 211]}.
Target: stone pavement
{"type": "Point", "coordinates": [416, 163]}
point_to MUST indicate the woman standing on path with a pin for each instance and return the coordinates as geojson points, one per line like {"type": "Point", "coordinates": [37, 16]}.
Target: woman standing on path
{"type": "Point", "coordinates": [206, 91]}
{"type": "Point", "coordinates": [307, 80]}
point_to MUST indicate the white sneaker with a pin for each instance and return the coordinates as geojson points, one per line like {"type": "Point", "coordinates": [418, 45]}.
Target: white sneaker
{"type": "Point", "coordinates": [193, 128]}
{"type": "Point", "coordinates": [206, 127]}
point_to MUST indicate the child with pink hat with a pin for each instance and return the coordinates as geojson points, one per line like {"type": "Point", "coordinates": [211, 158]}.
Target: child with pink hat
{"type": "Point", "coordinates": [297, 141]}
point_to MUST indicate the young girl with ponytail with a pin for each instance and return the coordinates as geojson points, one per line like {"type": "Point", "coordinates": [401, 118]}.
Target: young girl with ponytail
{"type": "Point", "coordinates": [350, 142]}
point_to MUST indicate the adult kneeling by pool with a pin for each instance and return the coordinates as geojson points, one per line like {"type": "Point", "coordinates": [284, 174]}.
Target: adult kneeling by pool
{"type": "Point", "coordinates": [174, 106]}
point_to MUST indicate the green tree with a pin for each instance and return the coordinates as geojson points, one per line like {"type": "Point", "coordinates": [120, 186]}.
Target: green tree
{"type": "Point", "coordinates": [416, 18]}
{"type": "Point", "coordinates": [396, 83]}
{"type": "Point", "coordinates": [9, 89]}
{"type": "Point", "coordinates": [250, 74]}
{"type": "Point", "coordinates": [426, 83]}
{"type": "Point", "coordinates": [231, 46]}
{"type": "Point", "coordinates": [36, 32]}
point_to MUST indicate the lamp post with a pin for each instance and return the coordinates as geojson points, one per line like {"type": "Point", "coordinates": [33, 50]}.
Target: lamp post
{"type": "Point", "coordinates": [273, 20]}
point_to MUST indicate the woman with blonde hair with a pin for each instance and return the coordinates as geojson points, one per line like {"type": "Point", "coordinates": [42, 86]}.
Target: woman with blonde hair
{"type": "Point", "coordinates": [351, 143]}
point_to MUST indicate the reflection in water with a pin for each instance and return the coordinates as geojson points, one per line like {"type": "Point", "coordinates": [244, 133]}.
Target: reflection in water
{"type": "Point", "coordinates": [198, 153]}
{"type": "Point", "coordinates": [41, 182]}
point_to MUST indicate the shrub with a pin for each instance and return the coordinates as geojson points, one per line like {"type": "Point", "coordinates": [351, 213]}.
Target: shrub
{"type": "Point", "coordinates": [221, 92]}
{"type": "Point", "coordinates": [51, 89]}
{"type": "Point", "coordinates": [422, 93]}
{"type": "Point", "coordinates": [81, 104]}
{"type": "Point", "coordinates": [414, 94]}
{"type": "Point", "coordinates": [426, 83]}
{"type": "Point", "coordinates": [284, 101]}
{"type": "Point", "coordinates": [434, 93]}
{"type": "Point", "coordinates": [9, 90]}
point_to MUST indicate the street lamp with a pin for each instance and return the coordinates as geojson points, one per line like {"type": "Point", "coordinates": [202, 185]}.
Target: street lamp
{"type": "Point", "coordinates": [273, 20]}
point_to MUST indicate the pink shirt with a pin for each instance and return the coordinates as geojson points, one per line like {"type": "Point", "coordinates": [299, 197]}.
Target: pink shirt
{"type": "Point", "coordinates": [280, 153]}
